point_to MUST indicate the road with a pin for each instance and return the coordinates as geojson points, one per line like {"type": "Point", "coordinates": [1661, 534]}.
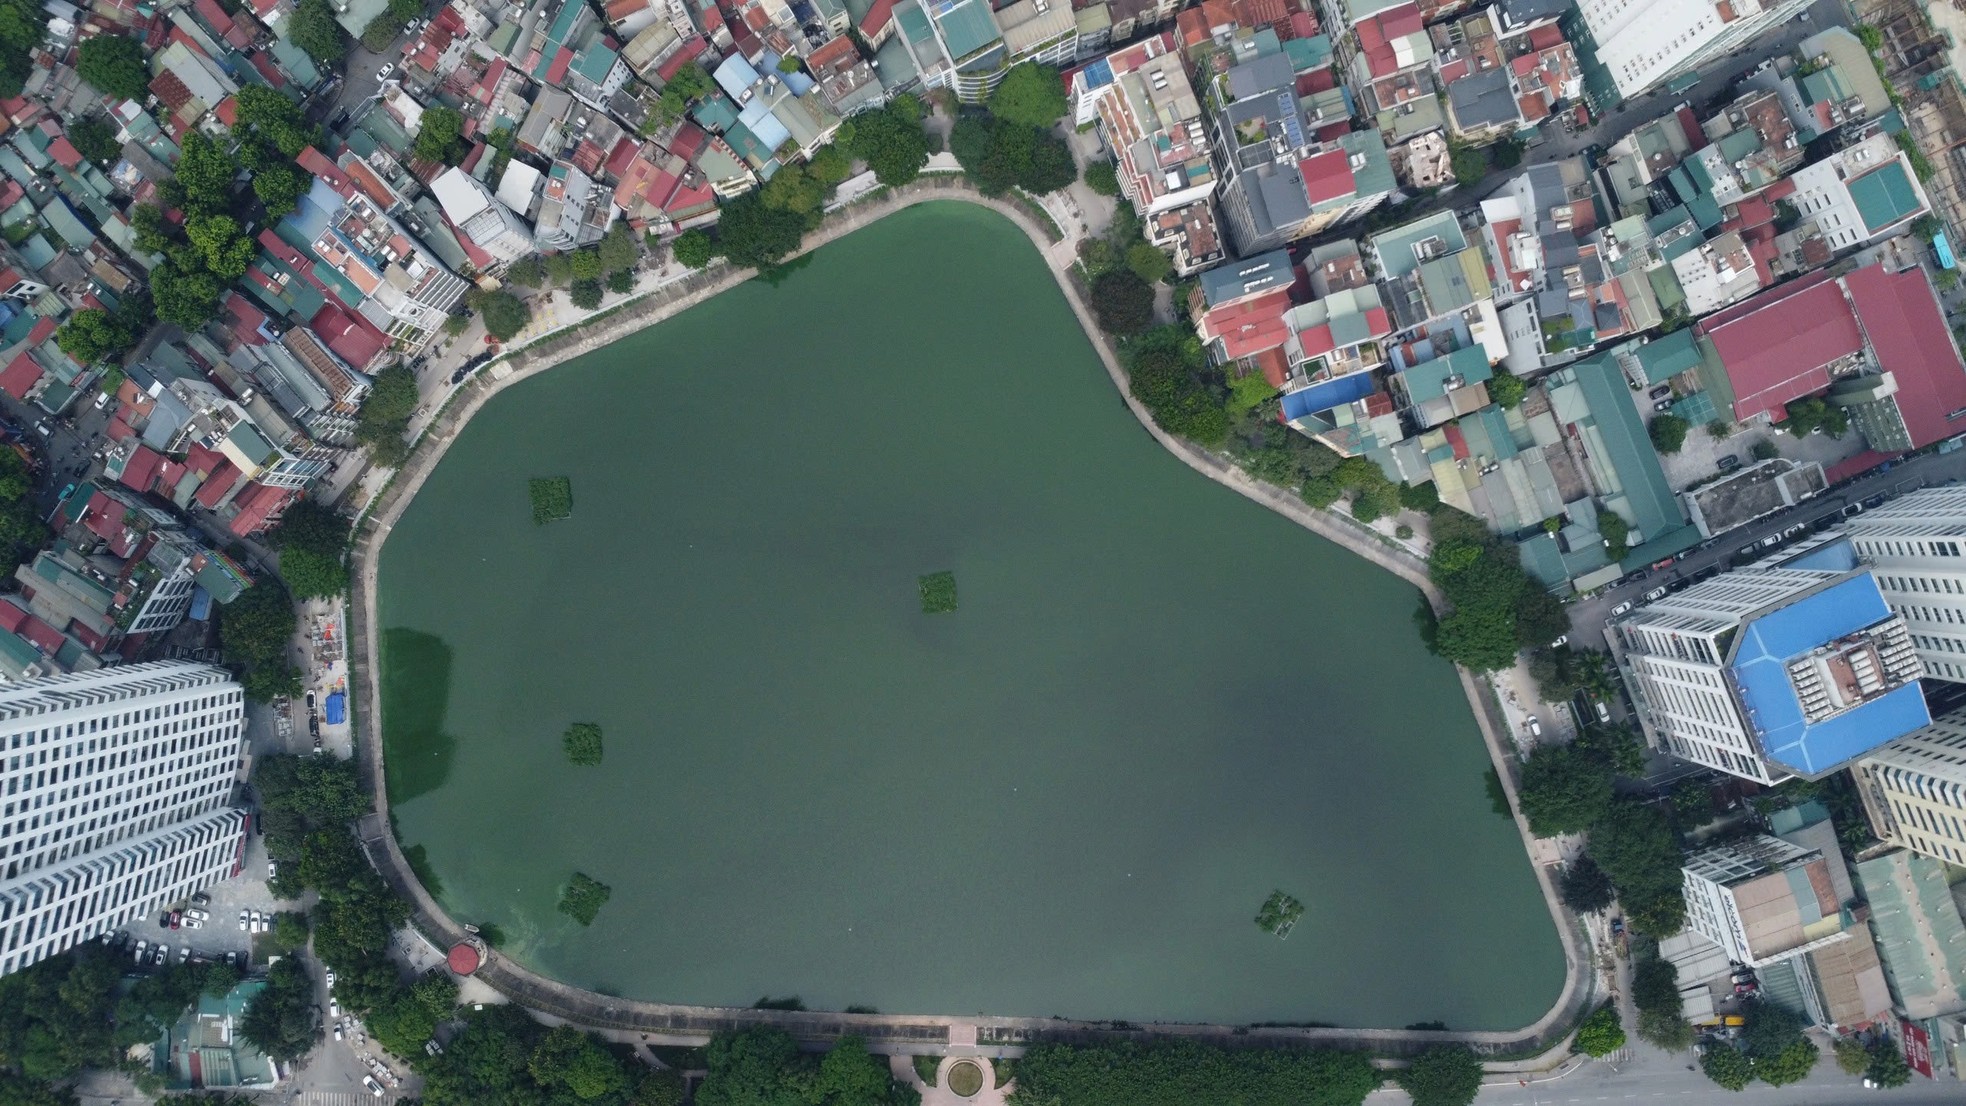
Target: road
{"type": "Point", "coordinates": [1668, 1081]}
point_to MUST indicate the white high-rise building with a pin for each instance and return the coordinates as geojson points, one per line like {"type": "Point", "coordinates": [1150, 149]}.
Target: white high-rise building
{"type": "Point", "coordinates": [115, 803]}
{"type": "Point", "coordinates": [1644, 42]}
{"type": "Point", "coordinates": [1762, 899]}
{"type": "Point", "coordinates": [1916, 547]}
{"type": "Point", "coordinates": [1772, 671]}
{"type": "Point", "coordinates": [1915, 789]}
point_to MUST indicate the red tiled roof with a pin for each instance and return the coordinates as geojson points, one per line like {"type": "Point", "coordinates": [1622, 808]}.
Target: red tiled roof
{"type": "Point", "coordinates": [834, 51]}
{"type": "Point", "coordinates": [1546, 37]}
{"type": "Point", "coordinates": [170, 90]}
{"type": "Point", "coordinates": [1302, 25]}
{"type": "Point", "coordinates": [44, 329]}
{"type": "Point", "coordinates": [256, 506]}
{"type": "Point", "coordinates": [692, 46]}
{"type": "Point", "coordinates": [352, 338]}
{"type": "Point", "coordinates": [103, 517]}
{"type": "Point", "coordinates": [203, 461]}
{"type": "Point", "coordinates": [64, 154]}
{"type": "Point", "coordinates": [95, 641]}
{"type": "Point", "coordinates": [265, 67]}
{"type": "Point", "coordinates": [1273, 364]}
{"type": "Point", "coordinates": [1777, 346]}
{"type": "Point", "coordinates": [212, 492]}
{"type": "Point", "coordinates": [1855, 466]}
{"type": "Point", "coordinates": [1248, 327]}
{"type": "Point", "coordinates": [45, 637]}
{"type": "Point", "coordinates": [1327, 176]}
{"type": "Point", "coordinates": [20, 375]}
{"type": "Point", "coordinates": [12, 615]}
{"type": "Point", "coordinates": [876, 17]}
{"type": "Point", "coordinates": [141, 472]}
{"type": "Point", "coordinates": [317, 164]}
{"type": "Point", "coordinates": [1907, 329]}
{"type": "Point", "coordinates": [118, 430]}
{"type": "Point", "coordinates": [228, 111]}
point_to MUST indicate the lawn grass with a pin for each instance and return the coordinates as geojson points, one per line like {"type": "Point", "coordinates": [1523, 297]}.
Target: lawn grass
{"type": "Point", "coordinates": [925, 1067]}
{"type": "Point", "coordinates": [965, 1078]}
{"type": "Point", "coordinates": [1006, 1071]}
{"type": "Point", "coordinates": [938, 592]}
{"type": "Point", "coordinates": [552, 498]}
{"type": "Point", "coordinates": [583, 743]}
{"type": "Point", "coordinates": [583, 897]}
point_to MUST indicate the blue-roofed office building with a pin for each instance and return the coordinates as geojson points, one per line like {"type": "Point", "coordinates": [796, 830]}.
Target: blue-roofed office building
{"type": "Point", "coordinates": [1776, 670]}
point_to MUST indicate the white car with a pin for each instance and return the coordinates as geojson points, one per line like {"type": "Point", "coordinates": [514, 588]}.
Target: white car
{"type": "Point", "coordinates": [337, 1031]}
{"type": "Point", "coordinates": [1621, 608]}
{"type": "Point", "coordinates": [255, 922]}
{"type": "Point", "coordinates": [192, 923]}
{"type": "Point", "coordinates": [330, 977]}
{"type": "Point", "coordinates": [102, 400]}
{"type": "Point", "coordinates": [374, 1087]}
{"type": "Point", "coordinates": [272, 868]}
{"type": "Point", "coordinates": [383, 75]}
{"type": "Point", "coordinates": [334, 1008]}
{"type": "Point", "coordinates": [245, 922]}
{"type": "Point", "coordinates": [200, 915]}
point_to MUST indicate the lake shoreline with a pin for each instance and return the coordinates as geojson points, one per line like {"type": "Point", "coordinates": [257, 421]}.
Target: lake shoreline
{"type": "Point", "coordinates": [577, 1004]}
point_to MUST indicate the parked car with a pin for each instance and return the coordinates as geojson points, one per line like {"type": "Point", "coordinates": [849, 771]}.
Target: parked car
{"type": "Point", "coordinates": [272, 868]}
{"type": "Point", "coordinates": [374, 1087]}
{"type": "Point", "coordinates": [197, 914]}
{"type": "Point", "coordinates": [193, 923]}
{"type": "Point", "coordinates": [1655, 594]}
{"type": "Point", "coordinates": [176, 918]}
{"type": "Point", "coordinates": [383, 75]}
{"type": "Point", "coordinates": [1535, 728]}
{"type": "Point", "coordinates": [334, 1008]}
{"type": "Point", "coordinates": [245, 922]}
{"type": "Point", "coordinates": [143, 951]}
{"type": "Point", "coordinates": [330, 977]}
{"type": "Point", "coordinates": [1730, 462]}
{"type": "Point", "coordinates": [201, 899]}
{"type": "Point", "coordinates": [1603, 712]}
{"type": "Point", "coordinates": [1853, 509]}
{"type": "Point", "coordinates": [1621, 608]}
{"type": "Point", "coordinates": [337, 1031]}
{"type": "Point", "coordinates": [163, 955]}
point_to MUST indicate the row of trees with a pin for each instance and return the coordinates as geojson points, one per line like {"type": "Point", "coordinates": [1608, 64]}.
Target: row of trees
{"type": "Point", "coordinates": [1177, 1073]}
{"type": "Point", "coordinates": [254, 633]}
{"type": "Point", "coordinates": [1772, 1049]}
{"type": "Point", "coordinates": [584, 271]}
{"type": "Point", "coordinates": [763, 227]}
{"type": "Point", "coordinates": [313, 544]}
{"type": "Point", "coordinates": [1497, 608]}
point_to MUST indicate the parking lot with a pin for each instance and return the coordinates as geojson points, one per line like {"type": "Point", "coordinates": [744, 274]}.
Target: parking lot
{"type": "Point", "coordinates": [246, 891]}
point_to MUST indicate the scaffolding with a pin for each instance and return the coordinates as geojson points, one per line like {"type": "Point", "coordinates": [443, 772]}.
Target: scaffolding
{"type": "Point", "coordinates": [1919, 63]}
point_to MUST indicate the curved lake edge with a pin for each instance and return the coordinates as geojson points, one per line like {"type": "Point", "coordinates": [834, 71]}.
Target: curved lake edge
{"type": "Point", "coordinates": [1546, 1038]}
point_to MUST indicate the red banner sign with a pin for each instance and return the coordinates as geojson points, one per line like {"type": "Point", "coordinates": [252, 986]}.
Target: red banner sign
{"type": "Point", "coordinates": [1918, 1047]}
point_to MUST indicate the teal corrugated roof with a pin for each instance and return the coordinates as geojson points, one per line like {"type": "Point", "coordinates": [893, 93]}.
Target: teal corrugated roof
{"type": "Point", "coordinates": [1428, 379]}
{"type": "Point", "coordinates": [967, 27]}
{"type": "Point", "coordinates": [1885, 196]}
{"type": "Point", "coordinates": [1663, 358]}
{"type": "Point", "coordinates": [1654, 507]}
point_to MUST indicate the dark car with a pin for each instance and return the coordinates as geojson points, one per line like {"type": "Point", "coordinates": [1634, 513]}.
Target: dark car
{"type": "Point", "coordinates": [1730, 462]}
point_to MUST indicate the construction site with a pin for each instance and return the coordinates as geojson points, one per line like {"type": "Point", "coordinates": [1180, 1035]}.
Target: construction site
{"type": "Point", "coordinates": [1920, 56]}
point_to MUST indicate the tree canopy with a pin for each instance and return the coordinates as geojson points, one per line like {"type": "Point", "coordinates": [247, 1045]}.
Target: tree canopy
{"type": "Point", "coordinates": [889, 140]}
{"type": "Point", "coordinates": [1186, 1072]}
{"type": "Point", "coordinates": [114, 64]}
{"type": "Point", "coordinates": [94, 139]}
{"type": "Point", "coordinates": [1638, 848]}
{"type": "Point", "coordinates": [440, 136]}
{"type": "Point", "coordinates": [313, 544]}
{"type": "Point", "coordinates": [692, 248]}
{"type": "Point", "coordinates": [91, 334]}
{"type": "Point", "coordinates": [505, 314]}
{"type": "Point", "coordinates": [757, 236]}
{"type": "Point", "coordinates": [1168, 373]}
{"type": "Point", "coordinates": [253, 632]}
{"type": "Point", "coordinates": [1668, 432]}
{"type": "Point", "coordinates": [312, 27]}
{"type": "Point", "coordinates": [1602, 1033]}
{"type": "Point", "coordinates": [274, 119]}
{"type": "Point", "coordinates": [23, 24]}
{"type": "Point", "coordinates": [998, 154]}
{"type": "Point", "coordinates": [1446, 1075]}
{"type": "Point", "coordinates": [1122, 302]}
{"type": "Point", "coordinates": [1031, 95]}
{"type": "Point", "coordinates": [1564, 789]}
{"type": "Point", "coordinates": [1585, 887]}
{"type": "Point", "coordinates": [1103, 178]}
{"type": "Point", "coordinates": [281, 1020]}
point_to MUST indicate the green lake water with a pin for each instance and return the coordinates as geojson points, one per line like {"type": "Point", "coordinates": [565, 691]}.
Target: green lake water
{"type": "Point", "coordinates": [1157, 702]}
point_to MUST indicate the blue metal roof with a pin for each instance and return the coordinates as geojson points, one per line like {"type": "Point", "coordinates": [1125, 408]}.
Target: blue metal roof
{"type": "Point", "coordinates": [1326, 395]}
{"type": "Point", "coordinates": [1837, 556]}
{"type": "Point", "coordinates": [1760, 672]}
{"type": "Point", "coordinates": [1097, 74]}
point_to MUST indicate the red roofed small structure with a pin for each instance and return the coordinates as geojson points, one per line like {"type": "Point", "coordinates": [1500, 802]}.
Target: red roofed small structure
{"type": "Point", "coordinates": [259, 507]}
{"type": "Point", "coordinates": [1907, 330]}
{"type": "Point", "coordinates": [1328, 176]}
{"type": "Point", "coordinates": [1779, 346]}
{"type": "Point", "coordinates": [21, 374]}
{"type": "Point", "coordinates": [141, 471]}
{"type": "Point", "coordinates": [463, 959]}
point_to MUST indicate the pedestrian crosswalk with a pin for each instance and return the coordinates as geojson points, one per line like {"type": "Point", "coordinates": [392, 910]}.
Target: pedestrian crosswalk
{"type": "Point", "coordinates": [335, 1098]}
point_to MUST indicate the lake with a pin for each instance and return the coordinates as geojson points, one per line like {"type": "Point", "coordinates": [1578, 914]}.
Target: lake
{"type": "Point", "coordinates": [1155, 704]}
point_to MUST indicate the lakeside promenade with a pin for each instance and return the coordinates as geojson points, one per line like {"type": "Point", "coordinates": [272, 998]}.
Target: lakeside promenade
{"type": "Point", "coordinates": [1536, 1047]}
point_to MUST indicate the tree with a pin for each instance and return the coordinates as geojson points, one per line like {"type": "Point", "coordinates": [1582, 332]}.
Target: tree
{"type": "Point", "coordinates": [1763, 450]}
{"type": "Point", "coordinates": [619, 249]}
{"type": "Point", "coordinates": [382, 422]}
{"type": "Point", "coordinates": [1122, 302]}
{"type": "Point", "coordinates": [1470, 164]}
{"type": "Point", "coordinates": [1660, 914]}
{"type": "Point", "coordinates": [1419, 497]}
{"type": "Point", "coordinates": [222, 248]}
{"type": "Point", "coordinates": [1445, 1075]}
{"type": "Point", "coordinates": [1564, 790]}
{"type": "Point", "coordinates": [1668, 432]}
{"type": "Point", "coordinates": [279, 188]}
{"type": "Point", "coordinates": [440, 136]}
{"type": "Point", "coordinates": [1887, 1066]}
{"type": "Point", "coordinates": [559, 268]}
{"type": "Point", "coordinates": [114, 64]}
{"type": "Point", "coordinates": [505, 314]}
{"type": "Point", "coordinates": [526, 272]}
{"type": "Point", "coordinates": [187, 298]}
{"type": "Point", "coordinates": [1585, 887]}
{"type": "Point", "coordinates": [755, 236]}
{"type": "Point", "coordinates": [1726, 1066]}
{"type": "Point", "coordinates": [890, 141]}
{"type": "Point", "coordinates": [752, 1067]}
{"type": "Point", "coordinates": [585, 263]}
{"type": "Point", "coordinates": [585, 294]}
{"type": "Point", "coordinates": [95, 140]}
{"type": "Point", "coordinates": [1791, 1065]}
{"type": "Point", "coordinates": [829, 165]}
{"type": "Point", "coordinates": [205, 171]}
{"type": "Point", "coordinates": [621, 281]}
{"type": "Point", "coordinates": [1852, 1057]}
{"type": "Point", "coordinates": [313, 544]}
{"type": "Point", "coordinates": [1615, 532]}
{"type": "Point", "coordinates": [1168, 373]}
{"type": "Point", "coordinates": [568, 1059]}
{"type": "Point", "coordinates": [312, 27]}
{"type": "Point", "coordinates": [1602, 1033]}
{"type": "Point", "coordinates": [274, 119]}
{"type": "Point", "coordinates": [1506, 389]}
{"type": "Point", "coordinates": [279, 1021]}
{"type": "Point", "coordinates": [693, 249]}
{"type": "Point", "coordinates": [1149, 262]}
{"type": "Point", "coordinates": [1032, 95]}
{"type": "Point", "coordinates": [253, 632]}
{"type": "Point", "coordinates": [91, 334]}
{"type": "Point", "coordinates": [1636, 846]}
{"type": "Point", "coordinates": [23, 26]}
{"type": "Point", "coordinates": [1103, 178]}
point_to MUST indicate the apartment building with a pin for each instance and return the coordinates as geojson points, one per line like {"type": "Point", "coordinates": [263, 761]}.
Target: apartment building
{"type": "Point", "coordinates": [1916, 547]}
{"type": "Point", "coordinates": [1644, 43]}
{"type": "Point", "coordinates": [1762, 899]}
{"type": "Point", "coordinates": [1914, 789]}
{"type": "Point", "coordinates": [1783, 668]}
{"type": "Point", "coordinates": [1860, 193]}
{"type": "Point", "coordinates": [477, 214]}
{"type": "Point", "coordinates": [117, 785]}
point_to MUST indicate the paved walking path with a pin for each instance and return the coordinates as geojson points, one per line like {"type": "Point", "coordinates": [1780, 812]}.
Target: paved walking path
{"type": "Point", "coordinates": [1534, 1048]}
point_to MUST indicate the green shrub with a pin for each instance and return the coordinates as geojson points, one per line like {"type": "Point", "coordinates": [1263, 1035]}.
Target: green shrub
{"type": "Point", "coordinates": [583, 743]}
{"type": "Point", "coordinates": [938, 592]}
{"type": "Point", "coordinates": [583, 897]}
{"type": "Point", "coordinates": [552, 498]}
